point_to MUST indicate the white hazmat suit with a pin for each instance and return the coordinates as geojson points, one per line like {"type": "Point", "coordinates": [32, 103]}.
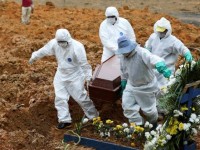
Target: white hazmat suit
{"type": "Point", "coordinates": [72, 71]}
{"type": "Point", "coordinates": [111, 29]}
{"type": "Point", "coordinates": [168, 48]}
{"type": "Point", "coordinates": [142, 87]}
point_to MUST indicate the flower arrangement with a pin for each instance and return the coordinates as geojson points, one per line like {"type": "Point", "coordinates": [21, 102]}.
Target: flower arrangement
{"type": "Point", "coordinates": [183, 120]}
{"type": "Point", "coordinates": [130, 133]}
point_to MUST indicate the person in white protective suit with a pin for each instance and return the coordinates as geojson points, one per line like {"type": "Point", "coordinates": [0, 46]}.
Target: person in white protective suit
{"type": "Point", "coordinates": [139, 82]}
{"type": "Point", "coordinates": [111, 29]}
{"type": "Point", "coordinates": [72, 71]}
{"type": "Point", "coordinates": [163, 44]}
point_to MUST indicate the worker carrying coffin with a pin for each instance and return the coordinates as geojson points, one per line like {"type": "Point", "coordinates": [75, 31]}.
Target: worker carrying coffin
{"type": "Point", "coordinates": [73, 70]}
{"type": "Point", "coordinates": [138, 81]}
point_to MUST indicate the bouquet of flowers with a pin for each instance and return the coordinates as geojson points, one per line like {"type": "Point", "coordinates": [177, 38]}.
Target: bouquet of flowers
{"type": "Point", "coordinates": [183, 120]}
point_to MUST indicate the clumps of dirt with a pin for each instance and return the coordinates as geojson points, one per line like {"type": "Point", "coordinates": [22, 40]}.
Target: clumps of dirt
{"type": "Point", "coordinates": [27, 113]}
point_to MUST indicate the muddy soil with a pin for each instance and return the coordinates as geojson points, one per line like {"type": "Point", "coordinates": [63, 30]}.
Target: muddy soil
{"type": "Point", "coordinates": [184, 10]}
{"type": "Point", "coordinates": [27, 113]}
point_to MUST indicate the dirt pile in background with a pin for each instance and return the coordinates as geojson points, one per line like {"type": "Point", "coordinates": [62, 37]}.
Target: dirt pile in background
{"type": "Point", "coordinates": [27, 113]}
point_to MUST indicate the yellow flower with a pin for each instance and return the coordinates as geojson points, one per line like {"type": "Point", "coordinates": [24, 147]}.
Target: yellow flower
{"type": "Point", "coordinates": [139, 129]}
{"type": "Point", "coordinates": [119, 127]}
{"type": "Point", "coordinates": [132, 124]}
{"type": "Point", "coordinates": [99, 118]}
{"type": "Point", "coordinates": [181, 126]}
{"type": "Point", "coordinates": [94, 119]}
{"type": "Point", "coordinates": [109, 121]}
{"type": "Point", "coordinates": [193, 109]}
{"type": "Point", "coordinates": [184, 108]}
{"type": "Point", "coordinates": [172, 130]}
{"type": "Point", "coordinates": [133, 144]}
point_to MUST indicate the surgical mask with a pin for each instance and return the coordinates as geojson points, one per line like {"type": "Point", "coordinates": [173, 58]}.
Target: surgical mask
{"type": "Point", "coordinates": [63, 44]}
{"type": "Point", "coordinates": [111, 20]}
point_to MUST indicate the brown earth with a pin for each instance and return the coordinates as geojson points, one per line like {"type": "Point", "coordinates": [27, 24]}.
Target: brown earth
{"type": "Point", "coordinates": [28, 116]}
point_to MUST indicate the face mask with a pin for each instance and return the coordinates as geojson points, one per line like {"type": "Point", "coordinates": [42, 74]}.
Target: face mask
{"type": "Point", "coordinates": [63, 44]}
{"type": "Point", "coordinates": [111, 20]}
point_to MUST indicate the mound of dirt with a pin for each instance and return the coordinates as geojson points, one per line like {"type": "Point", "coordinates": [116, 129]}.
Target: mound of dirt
{"type": "Point", "coordinates": [28, 116]}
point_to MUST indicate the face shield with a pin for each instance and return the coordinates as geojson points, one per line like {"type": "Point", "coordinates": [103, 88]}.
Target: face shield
{"type": "Point", "coordinates": [111, 20]}
{"type": "Point", "coordinates": [112, 15]}
{"type": "Point", "coordinates": [63, 38]}
{"type": "Point", "coordinates": [63, 44]}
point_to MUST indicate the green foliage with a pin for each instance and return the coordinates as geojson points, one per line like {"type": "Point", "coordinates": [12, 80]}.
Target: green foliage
{"type": "Point", "coordinates": [188, 73]}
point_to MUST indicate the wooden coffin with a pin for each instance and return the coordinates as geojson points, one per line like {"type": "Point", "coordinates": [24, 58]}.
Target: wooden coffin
{"type": "Point", "coordinates": [106, 81]}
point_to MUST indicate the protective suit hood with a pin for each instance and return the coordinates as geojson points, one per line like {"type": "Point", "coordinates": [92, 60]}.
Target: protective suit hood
{"type": "Point", "coordinates": [112, 11]}
{"type": "Point", "coordinates": [164, 23]}
{"type": "Point", "coordinates": [63, 35]}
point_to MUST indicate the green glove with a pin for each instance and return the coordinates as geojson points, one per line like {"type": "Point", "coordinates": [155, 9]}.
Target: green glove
{"type": "Point", "coordinates": [160, 66]}
{"type": "Point", "coordinates": [188, 56]}
{"type": "Point", "coordinates": [167, 73]}
{"type": "Point", "coordinates": [123, 85]}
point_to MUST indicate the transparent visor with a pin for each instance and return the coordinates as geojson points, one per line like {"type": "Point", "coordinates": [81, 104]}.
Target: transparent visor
{"type": "Point", "coordinates": [63, 44]}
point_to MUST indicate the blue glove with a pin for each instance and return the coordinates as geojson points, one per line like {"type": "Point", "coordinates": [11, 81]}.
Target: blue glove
{"type": "Point", "coordinates": [160, 66]}
{"type": "Point", "coordinates": [123, 85]}
{"type": "Point", "coordinates": [167, 73]}
{"type": "Point", "coordinates": [188, 56]}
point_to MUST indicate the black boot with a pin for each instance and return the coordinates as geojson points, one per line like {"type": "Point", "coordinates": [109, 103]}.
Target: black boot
{"type": "Point", "coordinates": [62, 125]}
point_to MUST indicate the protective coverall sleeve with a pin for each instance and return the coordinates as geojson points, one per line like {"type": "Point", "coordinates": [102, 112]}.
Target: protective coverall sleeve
{"type": "Point", "coordinates": [131, 33]}
{"type": "Point", "coordinates": [180, 48]}
{"type": "Point", "coordinates": [149, 59]}
{"type": "Point", "coordinates": [47, 50]}
{"type": "Point", "coordinates": [82, 59]}
{"type": "Point", "coordinates": [104, 36]}
{"type": "Point", "coordinates": [149, 41]}
{"type": "Point", "coordinates": [124, 74]}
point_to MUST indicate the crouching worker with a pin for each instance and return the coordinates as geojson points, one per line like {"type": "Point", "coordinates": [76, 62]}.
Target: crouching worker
{"type": "Point", "coordinates": [137, 66]}
{"type": "Point", "coordinates": [72, 72]}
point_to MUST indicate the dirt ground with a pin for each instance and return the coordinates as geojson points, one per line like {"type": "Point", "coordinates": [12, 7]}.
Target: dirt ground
{"type": "Point", "coordinates": [27, 113]}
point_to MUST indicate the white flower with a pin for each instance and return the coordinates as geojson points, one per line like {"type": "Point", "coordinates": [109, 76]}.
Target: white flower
{"type": "Point", "coordinates": [125, 125]}
{"type": "Point", "coordinates": [153, 133]}
{"type": "Point", "coordinates": [159, 127]}
{"type": "Point", "coordinates": [164, 142]}
{"type": "Point", "coordinates": [126, 130]}
{"type": "Point", "coordinates": [193, 64]}
{"type": "Point", "coordinates": [194, 131]}
{"type": "Point", "coordinates": [146, 124]}
{"type": "Point", "coordinates": [147, 135]}
{"type": "Point", "coordinates": [168, 137]}
{"type": "Point", "coordinates": [129, 136]}
{"type": "Point", "coordinates": [191, 120]}
{"type": "Point", "coordinates": [186, 126]}
{"type": "Point", "coordinates": [148, 146]}
{"type": "Point", "coordinates": [150, 126]}
{"type": "Point", "coordinates": [164, 89]}
{"type": "Point", "coordinates": [101, 134]}
{"type": "Point", "coordinates": [85, 120]}
{"type": "Point", "coordinates": [108, 134]}
{"type": "Point", "coordinates": [197, 120]}
{"type": "Point", "coordinates": [177, 113]}
{"type": "Point", "coordinates": [193, 116]}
